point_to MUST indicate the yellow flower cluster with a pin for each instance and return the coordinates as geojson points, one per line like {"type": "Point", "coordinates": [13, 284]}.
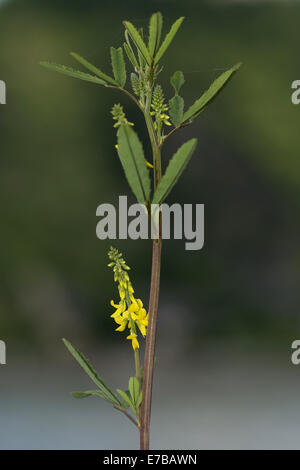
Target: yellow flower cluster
{"type": "Point", "coordinates": [159, 109]}
{"type": "Point", "coordinates": [129, 312]}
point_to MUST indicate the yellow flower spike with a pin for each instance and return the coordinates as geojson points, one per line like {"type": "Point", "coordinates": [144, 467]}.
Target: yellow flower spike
{"type": "Point", "coordinates": [129, 312]}
{"type": "Point", "coordinates": [117, 146]}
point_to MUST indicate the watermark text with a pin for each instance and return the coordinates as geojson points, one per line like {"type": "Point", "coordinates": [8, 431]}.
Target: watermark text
{"type": "Point", "coordinates": [136, 222]}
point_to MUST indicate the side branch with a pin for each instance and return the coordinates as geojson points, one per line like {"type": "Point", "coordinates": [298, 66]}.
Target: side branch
{"type": "Point", "coordinates": [181, 126]}
{"type": "Point", "coordinates": [126, 93]}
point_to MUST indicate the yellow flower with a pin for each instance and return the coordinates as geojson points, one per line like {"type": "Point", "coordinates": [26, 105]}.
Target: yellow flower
{"type": "Point", "coordinates": [129, 312]}
{"type": "Point", "coordinates": [135, 343]}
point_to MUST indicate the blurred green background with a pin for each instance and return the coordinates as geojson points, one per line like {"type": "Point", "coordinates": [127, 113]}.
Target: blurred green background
{"type": "Point", "coordinates": [58, 163]}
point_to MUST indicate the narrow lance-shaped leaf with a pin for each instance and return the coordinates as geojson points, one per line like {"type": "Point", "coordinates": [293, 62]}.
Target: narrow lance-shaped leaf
{"type": "Point", "coordinates": [176, 105]}
{"type": "Point", "coordinates": [155, 27]}
{"type": "Point", "coordinates": [130, 55]}
{"type": "Point", "coordinates": [139, 400]}
{"type": "Point", "coordinates": [134, 389]}
{"type": "Point", "coordinates": [124, 402]}
{"type": "Point", "coordinates": [174, 170]}
{"type": "Point", "coordinates": [210, 94]}
{"type": "Point", "coordinates": [118, 65]}
{"type": "Point", "coordinates": [88, 393]}
{"type": "Point", "coordinates": [177, 80]}
{"type": "Point", "coordinates": [126, 399]}
{"type": "Point", "coordinates": [93, 68]}
{"type": "Point", "coordinates": [131, 154]}
{"type": "Point", "coordinates": [142, 60]}
{"type": "Point", "coordinates": [73, 73]}
{"type": "Point", "coordinates": [168, 39]}
{"type": "Point", "coordinates": [84, 363]}
{"type": "Point", "coordinates": [137, 39]}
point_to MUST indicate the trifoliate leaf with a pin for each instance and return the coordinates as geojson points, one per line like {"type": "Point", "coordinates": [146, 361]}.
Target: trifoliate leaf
{"type": "Point", "coordinates": [210, 94]}
{"type": "Point", "coordinates": [118, 65]}
{"type": "Point", "coordinates": [176, 105]}
{"type": "Point", "coordinates": [168, 39]}
{"type": "Point", "coordinates": [93, 68]}
{"type": "Point", "coordinates": [72, 73]}
{"type": "Point", "coordinates": [175, 168]}
{"type": "Point", "coordinates": [177, 80]}
{"type": "Point", "coordinates": [131, 154]}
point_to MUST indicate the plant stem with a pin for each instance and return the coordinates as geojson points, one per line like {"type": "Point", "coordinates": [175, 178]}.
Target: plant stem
{"type": "Point", "coordinates": [150, 346]}
{"type": "Point", "coordinates": [137, 364]}
{"type": "Point", "coordinates": [145, 414]}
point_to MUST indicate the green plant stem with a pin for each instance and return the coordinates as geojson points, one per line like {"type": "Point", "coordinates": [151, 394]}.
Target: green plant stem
{"type": "Point", "coordinates": [126, 414]}
{"type": "Point", "coordinates": [173, 131]}
{"type": "Point", "coordinates": [126, 93]}
{"type": "Point", "coordinates": [137, 364]}
{"type": "Point", "coordinates": [145, 414]}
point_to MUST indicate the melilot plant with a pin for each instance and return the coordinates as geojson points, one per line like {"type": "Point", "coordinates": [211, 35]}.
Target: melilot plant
{"type": "Point", "coordinates": [163, 119]}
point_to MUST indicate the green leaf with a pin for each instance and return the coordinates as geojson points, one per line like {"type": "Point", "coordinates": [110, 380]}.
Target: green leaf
{"type": "Point", "coordinates": [134, 389]}
{"type": "Point", "coordinates": [124, 403]}
{"type": "Point", "coordinates": [139, 400]}
{"type": "Point", "coordinates": [73, 73]}
{"type": "Point", "coordinates": [155, 27]}
{"type": "Point", "coordinates": [210, 94]}
{"type": "Point", "coordinates": [174, 170]}
{"type": "Point", "coordinates": [126, 398]}
{"type": "Point", "coordinates": [133, 161]}
{"type": "Point", "coordinates": [177, 80]}
{"type": "Point", "coordinates": [118, 65]}
{"type": "Point", "coordinates": [84, 363]}
{"type": "Point", "coordinates": [142, 61]}
{"type": "Point", "coordinates": [168, 39]}
{"type": "Point", "coordinates": [176, 105]}
{"type": "Point", "coordinates": [137, 39]}
{"type": "Point", "coordinates": [88, 394]}
{"type": "Point", "coordinates": [93, 68]}
{"type": "Point", "coordinates": [130, 55]}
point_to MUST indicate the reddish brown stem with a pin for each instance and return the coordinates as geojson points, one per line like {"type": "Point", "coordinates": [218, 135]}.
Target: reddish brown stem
{"type": "Point", "coordinates": [150, 346]}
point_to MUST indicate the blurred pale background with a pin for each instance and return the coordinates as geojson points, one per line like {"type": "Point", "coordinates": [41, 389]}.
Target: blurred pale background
{"type": "Point", "coordinates": [228, 313]}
